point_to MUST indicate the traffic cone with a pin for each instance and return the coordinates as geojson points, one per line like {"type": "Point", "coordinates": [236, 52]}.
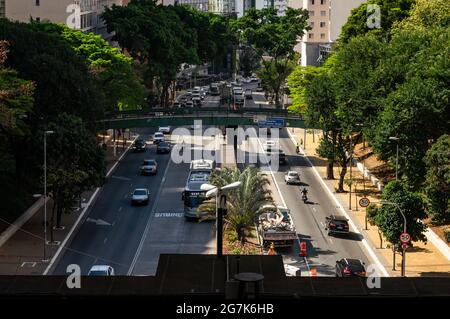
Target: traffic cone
{"type": "Point", "coordinates": [302, 249]}
{"type": "Point", "coordinates": [271, 251]}
{"type": "Point", "coordinates": [313, 272]}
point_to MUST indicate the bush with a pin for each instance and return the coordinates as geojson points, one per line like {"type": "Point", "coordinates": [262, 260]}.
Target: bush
{"type": "Point", "coordinates": [447, 235]}
{"type": "Point", "coordinates": [372, 211]}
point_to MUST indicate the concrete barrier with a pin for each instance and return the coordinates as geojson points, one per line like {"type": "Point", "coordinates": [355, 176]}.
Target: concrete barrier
{"type": "Point", "coordinates": [19, 222]}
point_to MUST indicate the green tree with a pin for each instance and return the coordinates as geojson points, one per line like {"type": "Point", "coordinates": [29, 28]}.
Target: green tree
{"type": "Point", "coordinates": [244, 203]}
{"type": "Point", "coordinates": [426, 14]}
{"type": "Point", "coordinates": [389, 219]}
{"type": "Point", "coordinates": [437, 183]}
{"type": "Point", "coordinates": [114, 73]}
{"type": "Point", "coordinates": [75, 163]}
{"type": "Point", "coordinates": [275, 37]}
{"type": "Point", "coordinates": [391, 12]}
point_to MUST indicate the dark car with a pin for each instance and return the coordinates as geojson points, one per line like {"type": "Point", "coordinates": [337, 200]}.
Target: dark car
{"type": "Point", "coordinates": [336, 224]}
{"type": "Point", "coordinates": [350, 267]}
{"type": "Point", "coordinates": [139, 145]}
{"type": "Point", "coordinates": [163, 147]}
{"type": "Point", "coordinates": [281, 155]}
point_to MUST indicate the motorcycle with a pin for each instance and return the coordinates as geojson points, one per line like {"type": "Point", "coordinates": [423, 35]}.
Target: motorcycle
{"type": "Point", "coordinates": [304, 198]}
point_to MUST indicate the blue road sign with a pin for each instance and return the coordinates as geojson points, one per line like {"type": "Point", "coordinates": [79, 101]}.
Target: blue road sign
{"type": "Point", "coordinates": [272, 122]}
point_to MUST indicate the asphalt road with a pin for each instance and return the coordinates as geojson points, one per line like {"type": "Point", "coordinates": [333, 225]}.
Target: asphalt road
{"type": "Point", "coordinates": [131, 238]}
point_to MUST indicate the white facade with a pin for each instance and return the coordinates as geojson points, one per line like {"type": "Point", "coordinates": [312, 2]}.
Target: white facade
{"type": "Point", "coordinates": [326, 18]}
{"type": "Point", "coordinates": [78, 14]}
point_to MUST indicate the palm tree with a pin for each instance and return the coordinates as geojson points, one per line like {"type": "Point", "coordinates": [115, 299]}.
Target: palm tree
{"type": "Point", "coordinates": [244, 203]}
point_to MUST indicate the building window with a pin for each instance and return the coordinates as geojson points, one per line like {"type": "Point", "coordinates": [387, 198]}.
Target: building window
{"type": "Point", "coordinates": [323, 1]}
{"type": "Point", "coordinates": [312, 2]}
{"type": "Point", "coordinates": [311, 13]}
{"type": "Point", "coordinates": [310, 35]}
{"type": "Point", "coordinates": [37, 2]}
{"type": "Point", "coordinates": [311, 24]}
{"type": "Point", "coordinates": [323, 13]}
{"type": "Point", "coordinates": [38, 19]}
{"type": "Point", "coordinates": [323, 24]}
{"type": "Point", "coordinates": [322, 35]}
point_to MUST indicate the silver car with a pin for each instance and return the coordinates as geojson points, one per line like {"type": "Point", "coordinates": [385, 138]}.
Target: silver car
{"type": "Point", "coordinates": [149, 166]}
{"type": "Point", "coordinates": [140, 196]}
{"type": "Point", "coordinates": [292, 177]}
{"type": "Point", "coordinates": [101, 270]}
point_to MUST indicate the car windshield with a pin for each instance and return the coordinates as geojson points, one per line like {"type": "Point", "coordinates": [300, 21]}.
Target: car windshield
{"type": "Point", "coordinates": [163, 144]}
{"type": "Point", "coordinates": [139, 142]}
{"type": "Point", "coordinates": [149, 162]}
{"type": "Point", "coordinates": [159, 135]}
{"type": "Point", "coordinates": [293, 174]}
{"type": "Point", "coordinates": [140, 192]}
{"type": "Point", "coordinates": [98, 273]}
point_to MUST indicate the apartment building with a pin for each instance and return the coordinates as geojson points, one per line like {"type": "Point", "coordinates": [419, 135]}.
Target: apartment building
{"type": "Point", "coordinates": [77, 14]}
{"type": "Point", "coordinates": [223, 7]}
{"type": "Point", "coordinates": [2, 8]}
{"type": "Point", "coordinates": [326, 18]}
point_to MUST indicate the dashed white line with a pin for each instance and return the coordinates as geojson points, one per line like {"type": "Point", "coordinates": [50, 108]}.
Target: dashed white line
{"type": "Point", "coordinates": [104, 241]}
{"type": "Point", "coordinates": [120, 208]}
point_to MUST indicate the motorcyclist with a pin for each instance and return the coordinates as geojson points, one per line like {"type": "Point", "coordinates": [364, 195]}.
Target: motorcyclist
{"type": "Point", "coordinates": [304, 193]}
{"type": "Point", "coordinates": [297, 148]}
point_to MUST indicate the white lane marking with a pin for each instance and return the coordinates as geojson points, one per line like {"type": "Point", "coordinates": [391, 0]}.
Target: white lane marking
{"type": "Point", "coordinates": [147, 226]}
{"type": "Point", "coordinates": [314, 209]}
{"type": "Point", "coordinates": [122, 178]}
{"type": "Point", "coordinates": [321, 223]}
{"type": "Point", "coordinates": [106, 239]}
{"type": "Point", "coordinates": [63, 244]}
{"type": "Point", "coordinates": [120, 208]}
{"type": "Point", "coordinates": [279, 192]}
{"type": "Point", "coordinates": [352, 224]}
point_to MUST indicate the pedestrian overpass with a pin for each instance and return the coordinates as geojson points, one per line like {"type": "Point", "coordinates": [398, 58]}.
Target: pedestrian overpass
{"type": "Point", "coordinates": [217, 116]}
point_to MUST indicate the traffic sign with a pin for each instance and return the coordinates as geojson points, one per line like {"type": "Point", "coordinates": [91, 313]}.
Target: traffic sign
{"type": "Point", "coordinates": [364, 202]}
{"type": "Point", "coordinates": [272, 122]}
{"type": "Point", "coordinates": [405, 246]}
{"type": "Point", "coordinates": [405, 238]}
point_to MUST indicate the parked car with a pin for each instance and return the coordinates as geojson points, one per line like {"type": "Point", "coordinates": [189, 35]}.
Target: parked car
{"type": "Point", "coordinates": [158, 137]}
{"type": "Point", "coordinates": [163, 147]}
{"type": "Point", "coordinates": [164, 129]}
{"type": "Point", "coordinates": [292, 177]}
{"type": "Point", "coordinates": [149, 166]}
{"type": "Point", "coordinates": [249, 94]}
{"type": "Point", "coordinates": [140, 196]}
{"type": "Point", "coordinates": [350, 267]}
{"type": "Point", "coordinates": [336, 224]}
{"type": "Point", "coordinates": [101, 270]}
{"type": "Point", "coordinates": [139, 145]}
{"type": "Point", "coordinates": [205, 89]}
{"type": "Point", "coordinates": [254, 79]}
{"type": "Point", "coordinates": [176, 104]}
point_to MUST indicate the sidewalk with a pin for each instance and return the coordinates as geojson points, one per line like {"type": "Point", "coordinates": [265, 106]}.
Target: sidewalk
{"type": "Point", "coordinates": [23, 252]}
{"type": "Point", "coordinates": [421, 260]}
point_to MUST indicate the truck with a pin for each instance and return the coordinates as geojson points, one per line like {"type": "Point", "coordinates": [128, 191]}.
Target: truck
{"type": "Point", "coordinates": [275, 226]}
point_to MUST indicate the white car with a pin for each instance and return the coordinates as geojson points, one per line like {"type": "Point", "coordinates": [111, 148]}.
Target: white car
{"type": "Point", "coordinates": [149, 166]}
{"type": "Point", "coordinates": [292, 177]}
{"type": "Point", "coordinates": [140, 196]}
{"type": "Point", "coordinates": [158, 137]}
{"type": "Point", "coordinates": [101, 270]}
{"type": "Point", "coordinates": [164, 129]}
{"type": "Point", "coordinates": [269, 144]}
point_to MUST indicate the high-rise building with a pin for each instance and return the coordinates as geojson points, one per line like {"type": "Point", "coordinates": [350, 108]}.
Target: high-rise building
{"type": "Point", "coordinates": [201, 5]}
{"type": "Point", "coordinates": [326, 18]}
{"type": "Point", "coordinates": [2, 8]}
{"type": "Point", "coordinates": [77, 14]}
{"type": "Point", "coordinates": [223, 7]}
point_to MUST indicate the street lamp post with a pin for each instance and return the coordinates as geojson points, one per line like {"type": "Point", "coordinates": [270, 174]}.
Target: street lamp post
{"type": "Point", "coordinates": [396, 139]}
{"type": "Point", "coordinates": [45, 192]}
{"type": "Point", "coordinates": [221, 208]}
{"type": "Point", "coordinates": [404, 231]}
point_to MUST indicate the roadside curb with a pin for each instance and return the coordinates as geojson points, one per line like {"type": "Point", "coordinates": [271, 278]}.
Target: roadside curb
{"type": "Point", "coordinates": [364, 241]}
{"type": "Point", "coordinates": [69, 237]}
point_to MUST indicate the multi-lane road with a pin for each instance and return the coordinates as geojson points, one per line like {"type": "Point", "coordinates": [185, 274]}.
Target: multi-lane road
{"type": "Point", "coordinates": [131, 238]}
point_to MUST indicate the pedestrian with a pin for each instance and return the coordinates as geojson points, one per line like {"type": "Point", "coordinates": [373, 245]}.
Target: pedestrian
{"type": "Point", "coordinates": [297, 148]}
